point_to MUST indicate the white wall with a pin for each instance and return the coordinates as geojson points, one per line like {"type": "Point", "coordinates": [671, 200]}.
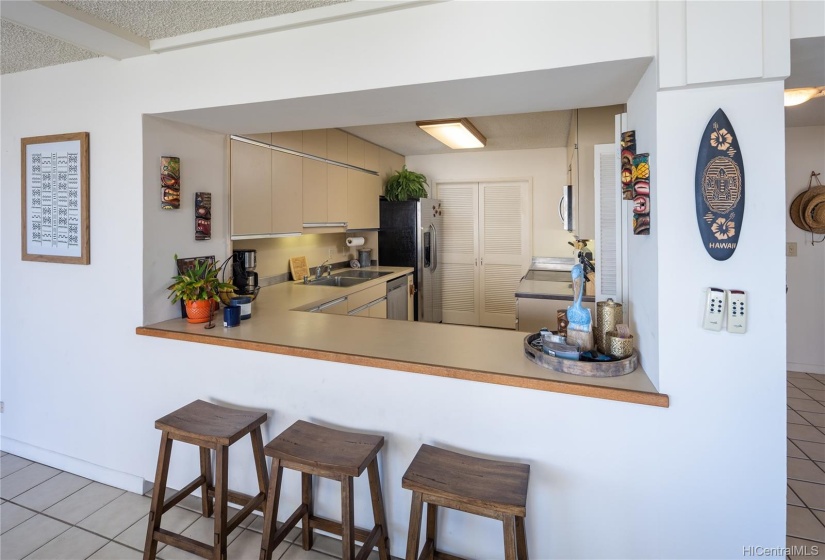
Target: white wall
{"type": "Point", "coordinates": [166, 233]}
{"type": "Point", "coordinates": [82, 391]}
{"type": "Point", "coordinates": [804, 152]}
{"type": "Point", "coordinates": [642, 251]}
{"type": "Point", "coordinates": [706, 370]}
{"type": "Point", "coordinates": [546, 167]}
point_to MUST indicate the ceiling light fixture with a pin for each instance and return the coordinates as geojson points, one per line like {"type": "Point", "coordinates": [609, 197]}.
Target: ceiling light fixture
{"type": "Point", "coordinates": [458, 134]}
{"type": "Point", "coordinates": [799, 96]}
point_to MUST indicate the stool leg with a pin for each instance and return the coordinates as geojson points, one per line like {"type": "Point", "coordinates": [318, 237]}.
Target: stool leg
{"type": "Point", "coordinates": [432, 518]}
{"type": "Point", "coordinates": [150, 549]}
{"type": "Point", "coordinates": [347, 518]}
{"type": "Point", "coordinates": [521, 539]}
{"type": "Point", "coordinates": [415, 526]}
{"type": "Point", "coordinates": [509, 537]}
{"type": "Point", "coordinates": [378, 509]}
{"type": "Point", "coordinates": [306, 497]}
{"type": "Point", "coordinates": [221, 480]}
{"type": "Point", "coordinates": [206, 472]}
{"type": "Point", "coordinates": [260, 459]}
{"type": "Point", "coordinates": [271, 510]}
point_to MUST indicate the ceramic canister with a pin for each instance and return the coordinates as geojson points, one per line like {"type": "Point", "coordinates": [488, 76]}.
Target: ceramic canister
{"type": "Point", "coordinates": [608, 315]}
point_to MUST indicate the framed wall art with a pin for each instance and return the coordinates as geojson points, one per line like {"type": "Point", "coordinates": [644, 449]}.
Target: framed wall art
{"type": "Point", "coordinates": [55, 198]}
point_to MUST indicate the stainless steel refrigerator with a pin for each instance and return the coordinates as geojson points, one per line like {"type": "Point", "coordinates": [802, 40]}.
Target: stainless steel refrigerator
{"type": "Point", "coordinates": [409, 236]}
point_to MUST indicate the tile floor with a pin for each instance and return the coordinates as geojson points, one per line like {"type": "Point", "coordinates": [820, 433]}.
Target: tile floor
{"type": "Point", "coordinates": [806, 461]}
{"type": "Point", "coordinates": [49, 514]}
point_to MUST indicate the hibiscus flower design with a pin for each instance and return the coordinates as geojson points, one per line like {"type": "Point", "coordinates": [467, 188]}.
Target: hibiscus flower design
{"type": "Point", "coordinates": [723, 228]}
{"type": "Point", "coordinates": [721, 139]}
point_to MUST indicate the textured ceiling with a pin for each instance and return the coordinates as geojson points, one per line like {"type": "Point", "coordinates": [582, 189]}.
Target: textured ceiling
{"type": "Point", "coordinates": [23, 49]}
{"type": "Point", "coordinates": [523, 131]}
{"type": "Point", "coordinates": [159, 19]}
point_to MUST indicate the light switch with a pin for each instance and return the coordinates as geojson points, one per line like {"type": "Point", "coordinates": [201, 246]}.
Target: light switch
{"type": "Point", "coordinates": [790, 249]}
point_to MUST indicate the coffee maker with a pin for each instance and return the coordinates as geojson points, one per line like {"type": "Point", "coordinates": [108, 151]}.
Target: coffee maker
{"type": "Point", "coordinates": [244, 276]}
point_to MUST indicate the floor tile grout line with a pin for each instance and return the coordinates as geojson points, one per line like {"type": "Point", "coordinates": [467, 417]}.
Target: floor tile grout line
{"type": "Point", "coordinates": [20, 469]}
{"type": "Point", "coordinates": [57, 502]}
{"type": "Point", "coordinates": [36, 485]}
{"type": "Point", "coordinates": [45, 543]}
{"type": "Point", "coordinates": [72, 524]}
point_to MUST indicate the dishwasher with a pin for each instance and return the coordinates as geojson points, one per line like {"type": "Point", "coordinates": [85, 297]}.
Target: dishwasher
{"type": "Point", "coordinates": [397, 299]}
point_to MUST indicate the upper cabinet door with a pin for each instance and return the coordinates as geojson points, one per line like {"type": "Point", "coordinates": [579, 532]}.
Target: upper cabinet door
{"type": "Point", "coordinates": [315, 177]}
{"type": "Point", "coordinates": [251, 188]}
{"type": "Point", "coordinates": [336, 176]}
{"type": "Point", "coordinates": [355, 151]}
{"type": "Point", "coordinates": [372, 156]}
{"type": "Point", "coordinates": [290, 140]}
{"type": "Point", "coordinates": [287, 193]}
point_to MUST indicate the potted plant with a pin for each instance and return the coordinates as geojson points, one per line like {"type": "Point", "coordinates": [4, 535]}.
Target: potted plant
{"type": "Point", "coordinates": [405, 184]}
{"type": "Point", "coordinates": [198, 287]}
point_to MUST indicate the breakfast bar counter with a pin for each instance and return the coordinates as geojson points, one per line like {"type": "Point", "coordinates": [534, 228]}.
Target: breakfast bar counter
{"type": "Point", "coordinates": [280, 324]}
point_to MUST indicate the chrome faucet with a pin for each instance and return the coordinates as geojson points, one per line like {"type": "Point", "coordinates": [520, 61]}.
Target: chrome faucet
{"type": "Point", "coordinates": [319, 270]}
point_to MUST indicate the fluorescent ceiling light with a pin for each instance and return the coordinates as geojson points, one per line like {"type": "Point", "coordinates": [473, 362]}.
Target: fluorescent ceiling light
{"type": "Point", "coordinates": [458, 134]}
{"type": "Point", "coordinates": [799, 96]}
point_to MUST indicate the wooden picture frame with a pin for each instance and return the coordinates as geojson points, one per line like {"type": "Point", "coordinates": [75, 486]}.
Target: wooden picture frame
{"type": "Point", "coordinates": [55, 198]}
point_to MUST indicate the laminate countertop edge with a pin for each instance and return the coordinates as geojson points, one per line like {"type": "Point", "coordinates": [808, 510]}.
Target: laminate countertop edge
{"type": "Point", "coordinates": [512, 380]}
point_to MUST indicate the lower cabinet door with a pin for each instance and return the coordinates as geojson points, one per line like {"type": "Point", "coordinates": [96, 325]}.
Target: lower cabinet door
{"type": "Point", "coordinates": [379, 310]}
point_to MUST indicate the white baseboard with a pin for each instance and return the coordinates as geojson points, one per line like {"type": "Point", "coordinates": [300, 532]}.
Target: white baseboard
{"type": "Point", "coordinates": [807, 368]}
{"type": "Point", "coordinates": [104, 475]}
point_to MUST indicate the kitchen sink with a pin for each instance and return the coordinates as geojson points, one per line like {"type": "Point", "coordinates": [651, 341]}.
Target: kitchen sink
{"type": "Point", "coordinates": [354, 273]}
{"type": "Point", "coordinates": [340, 281]}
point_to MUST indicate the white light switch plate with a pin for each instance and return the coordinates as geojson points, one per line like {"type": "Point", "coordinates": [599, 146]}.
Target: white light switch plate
{"type": "Point", "coordinates": [737, 312]}
{"type": "Point", "coordinates": [714, 309]}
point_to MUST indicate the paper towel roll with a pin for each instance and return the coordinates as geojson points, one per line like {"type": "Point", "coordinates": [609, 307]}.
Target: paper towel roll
{"type": "Point", "coordinates": [355, 241]}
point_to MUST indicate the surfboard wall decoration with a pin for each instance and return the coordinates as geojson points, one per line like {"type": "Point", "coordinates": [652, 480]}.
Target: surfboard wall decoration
{"type": "Point", "coordinates": [720, 188]}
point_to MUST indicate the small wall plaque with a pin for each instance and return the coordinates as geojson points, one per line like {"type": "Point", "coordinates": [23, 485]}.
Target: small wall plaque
{"type": "Point", "coordinates": [169, 183]}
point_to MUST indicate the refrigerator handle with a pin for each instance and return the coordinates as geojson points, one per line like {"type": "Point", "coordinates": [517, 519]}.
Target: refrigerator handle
{"type": "Point", "coordinates": [434, 249]}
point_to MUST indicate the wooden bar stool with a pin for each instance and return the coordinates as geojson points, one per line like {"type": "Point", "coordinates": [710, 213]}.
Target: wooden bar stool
{"type": "Point", "coordinates": [495, 489]}
{"type": "Point", "coordinates": [316, 450]}
{"type": "Point", "coordinates": [208, 426]}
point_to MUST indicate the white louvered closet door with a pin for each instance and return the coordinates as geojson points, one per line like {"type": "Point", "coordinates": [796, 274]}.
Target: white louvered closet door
{"type": "Point", "coordinates": [458, 252]}
{"type": "Point", "coordinates": [505, 249]}
{"type": "Point", "coordinates": [608, 223]}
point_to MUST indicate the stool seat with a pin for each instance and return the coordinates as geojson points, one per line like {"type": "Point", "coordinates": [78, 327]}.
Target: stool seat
{"type": "Point", "coordinates": [496, 485]}
{"type": "Point", "coordinates": [495, 489]}
{"type": "Point", "coordinates": [210, 427]}
{"type": "Point", "coordinates": [315, 450]}
{"type": "Point", "coordinates": [210, 423]}
{"type": "Point", "coordinates": [335, 451]}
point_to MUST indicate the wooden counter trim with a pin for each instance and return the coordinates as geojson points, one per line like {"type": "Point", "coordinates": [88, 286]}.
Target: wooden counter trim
{"type": "Point", "coordinates": [608, 393]}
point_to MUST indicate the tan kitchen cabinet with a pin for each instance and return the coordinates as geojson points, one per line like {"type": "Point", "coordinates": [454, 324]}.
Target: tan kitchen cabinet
{"type": "Point", "coordinates": [336, 176]}
{"type": "Point", "coordinates": [410, 298]}
{"type": "Point", "coordinates": [287, 192]}
{"type": "Point", "coordinates": [362, 200]}
{"type": "Point", "coordinates": [339, 307]}
{"type": "Point", "coordinates": [292, 140]}
{"type": "Point", "coordinates": [265, 186]}
{"type": "Point", "coordinates": [315, 177]}
{"type": "Point", "coordinates": [356, 300]}
{"type": "Point", "coordinates": [355, 151]}
{"type": "Point", "coordinates": [251, 187]}
{"type": "Point", "coordinates": [378, 309]}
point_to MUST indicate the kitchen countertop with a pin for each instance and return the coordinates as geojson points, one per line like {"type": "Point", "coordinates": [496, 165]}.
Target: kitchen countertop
{"type": "Point", "coordinates": [546, 289]}
{"type": "Point", "coordinates": [278, 325]}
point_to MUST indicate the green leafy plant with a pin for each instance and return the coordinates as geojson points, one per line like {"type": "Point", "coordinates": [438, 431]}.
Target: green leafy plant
{"type": "Point", "coordinates": [200, 282]}
{"type": "Point", "coordinates": [405, 184]}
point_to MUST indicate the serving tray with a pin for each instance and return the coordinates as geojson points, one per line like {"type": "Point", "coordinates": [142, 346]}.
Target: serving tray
{"type": "Point", "coordinates": [586, 369]}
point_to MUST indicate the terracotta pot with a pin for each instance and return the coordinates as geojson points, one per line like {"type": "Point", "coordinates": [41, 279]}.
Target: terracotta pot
{"type": "Point", "coordinates": [198, 311]}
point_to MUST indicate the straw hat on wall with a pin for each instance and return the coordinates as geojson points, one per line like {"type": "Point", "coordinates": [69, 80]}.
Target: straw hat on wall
{"type": "Point", "coordinates": [807, 210]}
